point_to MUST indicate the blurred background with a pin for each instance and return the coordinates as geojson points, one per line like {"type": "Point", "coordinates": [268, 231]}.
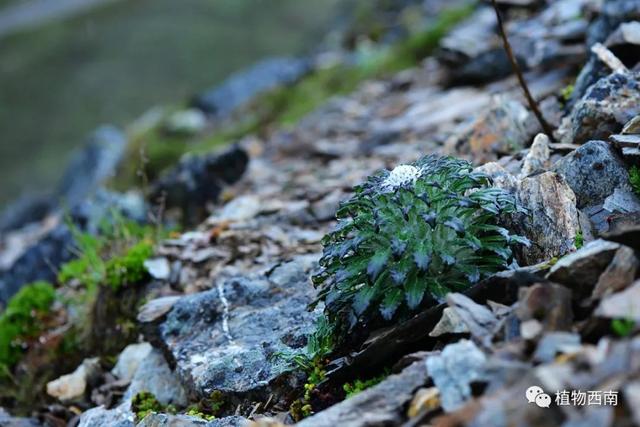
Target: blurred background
{"type": "Point", "coordinates": [67, 66]}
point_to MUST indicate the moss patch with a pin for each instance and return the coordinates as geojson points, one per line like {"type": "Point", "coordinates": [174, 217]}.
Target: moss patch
{"type": "Point", "coordinates": [634, 179]}
{"type": "Point", "coordinates": [23, 320]}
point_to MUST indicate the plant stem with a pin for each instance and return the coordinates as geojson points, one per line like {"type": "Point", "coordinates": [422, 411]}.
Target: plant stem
{"type": "Point", "coordinates": [516, 68]}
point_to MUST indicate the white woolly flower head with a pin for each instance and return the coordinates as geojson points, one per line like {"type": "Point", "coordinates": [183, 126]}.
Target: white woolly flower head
{"type": "Point", "coordinates": [401, 175]}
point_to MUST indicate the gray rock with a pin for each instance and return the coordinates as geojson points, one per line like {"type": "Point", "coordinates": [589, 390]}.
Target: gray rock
{"type": "Point", "coordinates": [621, 305]}
{"type": "Point", "coordinates": [198, 180]}
{"type": "Point", "coordinates": [42, 259]}
{"type": "Point", "coordinates": [155, 376]}
{"type": "Point", "coordinates": [581, 269]}
{"type": "Point", "coordinates": [537, 158]}
{"type": "Point", "coordinates": [241, 87]}
{"type": "Point", "coordinates": [619, 273]}
{"type": "Point", "coordinates": [7, 420]}
{"type": "Point", "coordinates": [454, 370]}
{"type": "Point", "coordinates": [166, 420]}
{"type": "Point", "coordinates": [607, 105]}
{"type": "Point", "coordinates": [120, 416]}
{"type": "Point", "coordinates": [92, 164]}
{"type": "Point", "coordinates": [553, 343]}
{"type": "Point", "coordinates": [552, 220]}
{"type": "Point", "coordinates": [381, 405]}
{"type": "Point", "coordinates": [158, 268]}
{"type": "Point", "coordinates": [229, 338]}
{"type": "Point", "coordinates": [129, 360]}
{"type": "Point", "coordinates": [622, 201]}
{"type": "Point", "coordinates": [593, 172]}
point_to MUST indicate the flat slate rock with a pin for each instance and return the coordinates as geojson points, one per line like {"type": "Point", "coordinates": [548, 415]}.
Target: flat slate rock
{"type": "Point", "coordinates": [229, 338]}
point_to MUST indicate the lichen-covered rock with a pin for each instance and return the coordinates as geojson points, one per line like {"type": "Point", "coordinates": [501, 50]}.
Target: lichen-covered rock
{"type": "Point", "coordinates": [120, 416]}
{"type": "Point", "coordinates": [454, 370]}
{"type": "Point", "coordinates": [167, 420]}
{"type": "Point", "coordinates": [229, 338]}
{"type": "Point", "coordinates": [155, 376]}
{"type": "Point", "coordinates": [605, 108]}
{"type": "Point", "coordinates": [552, 221]}
{"type": "Point", "coordinates": [593, 172]}
{"type": "Point", "coordinates": [581, 269]}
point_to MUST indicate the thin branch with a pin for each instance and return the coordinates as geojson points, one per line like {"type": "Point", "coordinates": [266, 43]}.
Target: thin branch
{"type": "Point", "coordinates": [516, 68]}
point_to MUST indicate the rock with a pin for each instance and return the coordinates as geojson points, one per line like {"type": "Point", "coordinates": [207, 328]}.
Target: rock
{"type": "Point", "coordinates": [228, 338]}
{"type": "Point", "coordinates": [632, 127]}
{"type": "Point", "coordinates": [243, 86]}
{"type": "Point", "coordinates": [7, 420]}
{"type": "Point", "coordinates": [425, 399]}
{"type": "Point", "coordinates": [156, 309]}
{"type": "Point", "coordinates": [450, 323]}
{"type": "Point", "coordinates": [537, 159]}
{"type": "Point", "coordinates": [479, 320]}
{"type": "Point", "coordinates": [454, 370]}
{"type": "Point", "coordinates": [622, 201]}
{"type": "Point", "coordinates": [41, 260]}
{"type": "Point", "coordinates": [553, 343]}
{"type": "Point", "coordinates": [624, 42]}
{"type": "Point", "coordinates": [628, 236]}
{"type": "Point", "coordinates": [619, 274]}
{"type": "Point", "coordinates": [552, 220]}
{"type": "Point", "coordinates": [130, 359]}
{"type": "Point", "coordinates": [547, 304]}
{"type": "Point", "coordinates": [155, 376]}
{"type": "Point", "coordinates": [91, 165]}
{"type": "Point", "coordinates": [73, 386]}
{"type": "Point", "coordinates": [505, 128]}
{"type": "Point", "coordinates": [240, 209]}
{"type": "Point", "coordinates": [621, 305]}
{"type": "Point", "coordinates": [186, 122]}
{"type": "Point", "coordinates": [632, 397]}
{"type": "Point", "coordinates": [607, 105]}
{"type": "Point", "coordinates": [158, 268]}
{"type": "Point", "coordinates": [166, 420]}
{"type": "Point", "coordinates": [382, 404]}
{"type": "Point", "coordinates": [581, 269]}
{"type": "Point", "coordinates": [198, 180]}
{"type": "Point", "coordinates": [120, 416]}
{"type": "Point", "coordinates": [593, 172]}
{"type": "Point", "coordinates": [25, 210]}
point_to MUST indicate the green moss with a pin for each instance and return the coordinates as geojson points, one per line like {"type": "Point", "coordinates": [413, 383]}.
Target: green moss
{"type": "Point", "coordinates": [634, 179]}
{"type": "Point", "coordinates": [351, 389]}
{"type": "Point", "coordinates": [128, 268]}
{"type": "Point", "coordinates": [579, 240]}
{"type": "Point", "coordinates": [145, 403]}
{"type": "Point", "coordinates": [623, 327]}
{"type": "Point", "coordinates": [115, 257]}
{"type": "Point", "coordinates": [22, 320]}
{"type": "Point", "coordinates": [566, 93]}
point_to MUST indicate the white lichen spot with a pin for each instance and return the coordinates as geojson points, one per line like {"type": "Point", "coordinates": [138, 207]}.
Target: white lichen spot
{"type": "Point", "coordinates": [401, 175]}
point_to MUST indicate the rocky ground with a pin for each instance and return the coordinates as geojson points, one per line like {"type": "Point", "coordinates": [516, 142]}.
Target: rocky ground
{"type": "Point", "coordinates": [218, 304]}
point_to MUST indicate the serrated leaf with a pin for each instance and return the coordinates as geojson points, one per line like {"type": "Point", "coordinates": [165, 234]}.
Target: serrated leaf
{"type": "Point", "coordinates": [390, 303]}
{"type": "Point", "coordinates": [377, 263]}
{"type": "Point", "coordinates": [363, 298]}
{"type": "Point", "coordinates": [414, 291]}
{"type": "Point", "coordinates": [422, 258]}
{"type": "Point", "coordinates": [456, 225]}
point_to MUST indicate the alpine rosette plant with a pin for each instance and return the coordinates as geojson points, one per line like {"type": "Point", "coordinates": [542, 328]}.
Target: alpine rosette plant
{"type": "Point", "coordinates": [420, 230]}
